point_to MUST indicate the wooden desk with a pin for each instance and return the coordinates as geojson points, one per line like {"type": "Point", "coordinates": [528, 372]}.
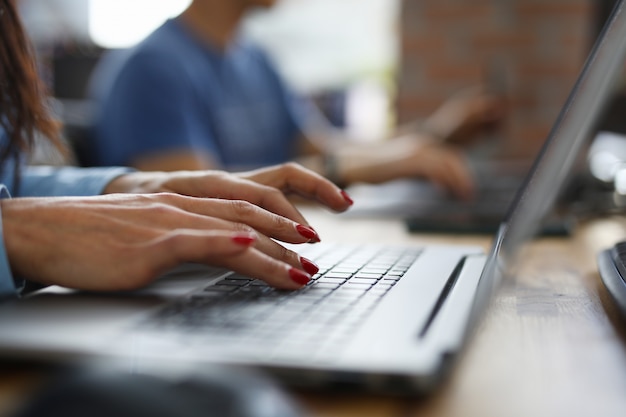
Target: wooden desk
{"type": "Point", "coordinates": [551, 343]}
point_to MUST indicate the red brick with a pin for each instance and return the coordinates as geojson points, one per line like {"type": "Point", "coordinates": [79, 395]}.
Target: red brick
{"type": "Point", "coordinates": [540, 44]}
{"type": "Point", "coordinates": [563, 9]}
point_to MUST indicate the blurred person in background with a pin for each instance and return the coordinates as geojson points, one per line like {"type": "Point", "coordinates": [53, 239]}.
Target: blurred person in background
{"type": "Point", "coordinates": [196, 95]}
{"type": "Point", "coordinates": [57, 229]}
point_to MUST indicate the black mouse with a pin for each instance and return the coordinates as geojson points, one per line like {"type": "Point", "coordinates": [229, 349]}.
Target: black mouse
{"type": "Point", "coordinates": [218, 391]}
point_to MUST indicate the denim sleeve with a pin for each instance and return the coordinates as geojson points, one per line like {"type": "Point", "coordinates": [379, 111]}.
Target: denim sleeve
{"type": "Point", "coordinates": [42, 181]}
{"type": "Point", "coordinates": [9, 286]}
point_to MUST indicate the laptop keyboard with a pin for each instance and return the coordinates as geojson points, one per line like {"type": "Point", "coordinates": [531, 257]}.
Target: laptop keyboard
{"type": "Point", "coordinates": [350, 283]}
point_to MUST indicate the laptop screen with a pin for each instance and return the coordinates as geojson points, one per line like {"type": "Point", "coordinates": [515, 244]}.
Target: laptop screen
{"type": "Point", "coordinates": [569, 134]}
{"type": "Point", "coordinates": [562, 148]}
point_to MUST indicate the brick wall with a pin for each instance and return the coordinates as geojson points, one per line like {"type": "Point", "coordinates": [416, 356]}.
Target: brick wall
{"type": "Point", "coordinates": [534, 47]}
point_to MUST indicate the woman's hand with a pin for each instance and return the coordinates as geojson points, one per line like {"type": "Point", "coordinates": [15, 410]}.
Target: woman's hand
{"type": "Point", "coordinates": [444, 165]}
{"type": "Point", "coordinates": [465, 116]}
{"type": "Point", "coordinates": [267, 188]}
{"type": "Point", "coordinates": [408, 157]}
{"type": "Point", "coordinates": [123, 242]}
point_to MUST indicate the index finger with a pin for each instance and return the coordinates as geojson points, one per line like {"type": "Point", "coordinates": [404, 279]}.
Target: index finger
{"type": "Point", "coordinates": [294, 178]}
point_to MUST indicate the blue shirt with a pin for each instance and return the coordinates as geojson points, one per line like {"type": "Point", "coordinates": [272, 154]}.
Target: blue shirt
{"type": "Point", "coordinates": [46, 182]}
{"type": "Point", "coordinates": [173, 92]}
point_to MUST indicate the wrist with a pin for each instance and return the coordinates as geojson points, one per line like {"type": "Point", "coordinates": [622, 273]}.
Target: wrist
{"type": "Point", "coordinates": [119, 184]}
{"type": "Point", "coordinates": [134, 182]}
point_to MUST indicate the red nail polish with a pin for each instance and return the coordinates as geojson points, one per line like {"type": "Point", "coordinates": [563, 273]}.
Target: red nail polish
{"type": "Point", "coordinates": [308, 233]}
{"type": "Point", "coordinates": [299, 277]}
{"type": "Point", "coordinates": [309, 266]}
{"type": "Point", "coordinates": [244, 240]}
{"type": "Point", "coordinates": [347, 197]}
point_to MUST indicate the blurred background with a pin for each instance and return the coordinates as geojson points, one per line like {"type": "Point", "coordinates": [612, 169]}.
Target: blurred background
{"type": "Point", "coordinates": [370, 64]}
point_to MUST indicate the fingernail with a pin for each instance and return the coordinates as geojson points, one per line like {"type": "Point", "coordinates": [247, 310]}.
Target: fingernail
{"type": "Point", "coordinates": [244, 240]}
{"type": "Point", "coordinates": [299, 277]}
{"type": "Point", "coordinates": [347, 197]}
{"type": "Point", "coordinates": [308, 233]}
{"type": "Point", "coordinates": [309, 266]}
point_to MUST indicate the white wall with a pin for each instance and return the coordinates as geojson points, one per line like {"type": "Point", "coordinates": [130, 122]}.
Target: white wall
{"type": "Point", "coordinates": [322, 43]}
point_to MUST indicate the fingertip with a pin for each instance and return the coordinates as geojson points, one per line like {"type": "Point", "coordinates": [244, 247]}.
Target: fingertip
{"type": "Point", "coordinates": [339, 201]}
{"type": "Point", "coordinates": [299, 277]}
{"type": "Point", "coordinates": [309, 266]}
{"type": "Point", "coordinates": [347, 197]}
{"type": "Point", "coordinates": [308, 233]}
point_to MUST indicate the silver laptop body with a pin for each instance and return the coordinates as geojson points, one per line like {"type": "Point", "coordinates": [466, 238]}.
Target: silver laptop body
{"type": "Point", "coordinates": [402, 334]}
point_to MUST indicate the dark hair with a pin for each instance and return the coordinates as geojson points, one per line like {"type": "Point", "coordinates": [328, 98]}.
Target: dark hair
{"type": "Point", "coordinates": [23, 97]}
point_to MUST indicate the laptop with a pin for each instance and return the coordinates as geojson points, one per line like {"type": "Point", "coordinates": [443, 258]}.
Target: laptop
{"type": "Point", "coordinates": [418, 198]}
{"type": "Point", "coordinates": [426, 208]}
{"type": "Point", "coordinates": [400, 315]}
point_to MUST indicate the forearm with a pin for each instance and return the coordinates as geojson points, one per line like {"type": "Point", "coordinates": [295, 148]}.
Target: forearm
{"type": "Point", "coordinates": [374, 164]}
{"type": "Point", "coordinates": [365, 162]}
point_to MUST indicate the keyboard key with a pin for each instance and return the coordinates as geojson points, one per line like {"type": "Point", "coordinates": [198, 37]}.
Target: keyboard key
{"type": "Point", "coordinates": [326, 285]}
{"type": "Point", "coordinates": [219, 288]}
{"type": "Point", "coordinates": [331, 280]}
{"type": "Point", "coordinates": [367, 275]}
{"type": "Point", "coordinates": [339, 275]}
